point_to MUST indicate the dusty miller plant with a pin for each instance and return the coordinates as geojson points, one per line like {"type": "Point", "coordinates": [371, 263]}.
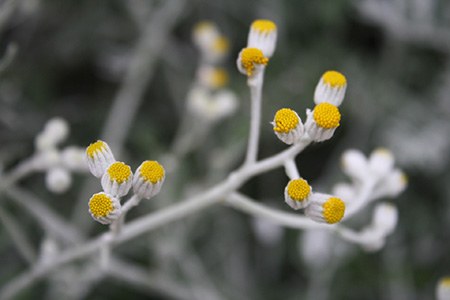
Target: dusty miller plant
{"type": "Point", "coordinates": [122, 187]}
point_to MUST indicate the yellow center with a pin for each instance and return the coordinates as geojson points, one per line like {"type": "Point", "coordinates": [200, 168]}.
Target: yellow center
{"type": "Point", "coordinates": [383, 151]}
{"type": "Point", "coordinates": [204, 25]}
{"type": "Point", "coordinates": [445, 282]}
{"type": "Point", "coordinates": [335, 79]}
{"type": "Point", "coordinates": [333, 210]}
{"type": "Point", "coordinates": [221, 44]}
{"type": "Point", "coordinates": [285, 120]}
{"type": "Point", "coordinates": [264, 25]}
{"type": "Point", "coordinates": [327, 115]}
{"type": "Point", "coordinates": [219, 77]}
{"type": "Point", "coordinates": [298, 189]}
{"type": "Point", "coordinates": [119, 172]}
{"type": "Point", "coordinates": [95, 147]}
{"type": "Point", "coordinates": [152, 171]}
{"type": "Point", "coordinates": [250, 57]}
{"type": "Point", "coordinates": [100, 205]}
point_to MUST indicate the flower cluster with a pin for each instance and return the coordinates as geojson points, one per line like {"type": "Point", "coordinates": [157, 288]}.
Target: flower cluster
{"type": "Point", "coordinates": [320, 125]}
{"type": "Point", "coordinates": [376, 177]}
{"type": "Point", "coordinates": [384, 221]}
{"type": "Point", "coordinates": [377, 168]}
{"type": "Point", "coordinates": [117, 179]}
{"type": "Point", "coordinates": [322, 121]}
{"type": "Point", "coordinates": [322, 208]}
{"type": "Point", "coordinates": [209, 99]}
{"type": "Point", "coordinates": [58, 164]}
{"type": "Point", "coordinates": [261, 43]}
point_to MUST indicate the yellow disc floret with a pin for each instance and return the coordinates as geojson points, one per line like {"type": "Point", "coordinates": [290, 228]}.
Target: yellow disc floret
{"type": "Point", "coordinates": [152, 171]}
{"type": "Point", "coordinates": [285, 120]}
{"type": "Point", "coordinates": [264, 25]}
{"type": "Point", "coordinates": [221, 44]}
{"type": "Point", "coordinates": [95, 147]}
{"type": "Point", "coordinates": [333, 210]}
{"type": "Point", "coordinates": [445, 281]}
{"type": "Point", "coordinates": [327, 115]}
{"type": "Point", "coordinates": [119, 172]}
{"type": "Point", "coordinates": [219, 77]}
{"type": "Point", "coordinates": [333, 78]}
{"type": "Point", "coordinates": [203, 26]}
{"type": "Point", "coordinates": [250, 57]}
{"type": "Point", "coordinates": [298, 189]}
{"type": "Point", "coordinates": [100, 205]}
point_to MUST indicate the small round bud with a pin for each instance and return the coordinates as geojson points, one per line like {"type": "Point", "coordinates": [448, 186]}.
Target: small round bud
{"type": "Point", "coordinates": [148, 179]}
{"type": "Point", "coordinates": [58, 180]}
{"type": "Point", "coordinates": [296, 193]}
{"type": "Point", "coordinates": [104, 208]}
{"type": "Point", "coordinates": [263, 35]}
{"type": "Point", "coordinates": [322, 121]}
{"type": "Point", "coordinates": [117, 179]}
{"type": "Point", "coordinates": [287, 126]}
{"type": "Point", "coordinates": [99, 156]}
{"type": "Point", "coordinates": [331, 88]}
{"type": "Point", "coordinates": [325, 208]}
{"type": "Point", "coordinates": [251, 61]}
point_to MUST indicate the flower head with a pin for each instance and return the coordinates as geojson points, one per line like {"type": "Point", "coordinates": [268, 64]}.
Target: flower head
{"type": "Point", "coordinates": [393, 183]}
{"type": "Point", "coordinates": [218, 50]}
{"type": "Point", "coordinates": [331, 88]}
{"type": "Point", "coordinates": [99, 156]}
{"type": "Point", "coordinates": [322, 121]}
{"type": "Point", "coordinates": [55, 131]}
{"type": "Point", "coordinates": [251, 61]}
{"type": "Point", "coordinates": [117, 179]}
{"type": "Point", "coordinates": [104, 208]}
{"type": "Point", "coordinates": [212, 45]}
{"type": "Point", "coordinates": [325, 208]}
{"type": "Point", "coordinates": [381, 162]}
{"type": "Point", "coordinates": [297, 192]}
{"type": "Point", "coordinates": [204, 34]}
{"type": "Point", "coordinates": [212, 77]}
{"type": "Point", "coordinates": [148, 179]}
{"type": "Point", "coordinates": [58, 180]}
{"type": "Point", "coordinates": [385, 218]}
{"type": "Point", "coordinates": [287, 126]}
{"type": "Point", "coordinates": [73, 158]}
{"type": "Point", "coordinates": [354, 164]}
{"type": "Point", "coordinates": [443, 289]}
{"type": "Point", "coordinates": [263, 35]}
{"type": "Point", "coordinates": [212, 107]}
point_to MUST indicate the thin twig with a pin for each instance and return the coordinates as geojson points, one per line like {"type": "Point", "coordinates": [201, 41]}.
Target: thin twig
{"type": "Point", "coordinates": [255, 120]}
{"type": "Point", "coordinates": [291, 220]}
{"type": "Point", "coordinates": [20, 171]}
{"type": "Point", "coordinates": [157, 219]}
{"type": "Point", "coordinates": [130, 95]}
{"type": "Point", "coordinates": [8, 58]}
{"type": "Point", "coordinates": [53, 223]}
{"type": "Point", "coordinates": [147, 282]}
{"type": "Point", "coordinates": [18, 236]}
{"type": "Point", "coordinates": [50, 221]}
{"type": "Point", "coordinates": [140, 72]}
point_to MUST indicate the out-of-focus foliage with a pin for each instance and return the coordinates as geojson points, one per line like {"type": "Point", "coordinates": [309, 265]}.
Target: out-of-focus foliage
{"type": "Point", "coordinates": [71, 60]}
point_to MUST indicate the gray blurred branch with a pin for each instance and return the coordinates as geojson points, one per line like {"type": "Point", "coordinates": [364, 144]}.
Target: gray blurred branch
{"type": "Point", "coordinates": [8, 58]}
{"type": "Point", "coordinates": [392, 17]}
{"type": "Point", "coordinates": [140, 72]}
{"type": "Point", "coordinates": [129, 97]}
{"type": "Point", "coordinates": [18, 236]}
